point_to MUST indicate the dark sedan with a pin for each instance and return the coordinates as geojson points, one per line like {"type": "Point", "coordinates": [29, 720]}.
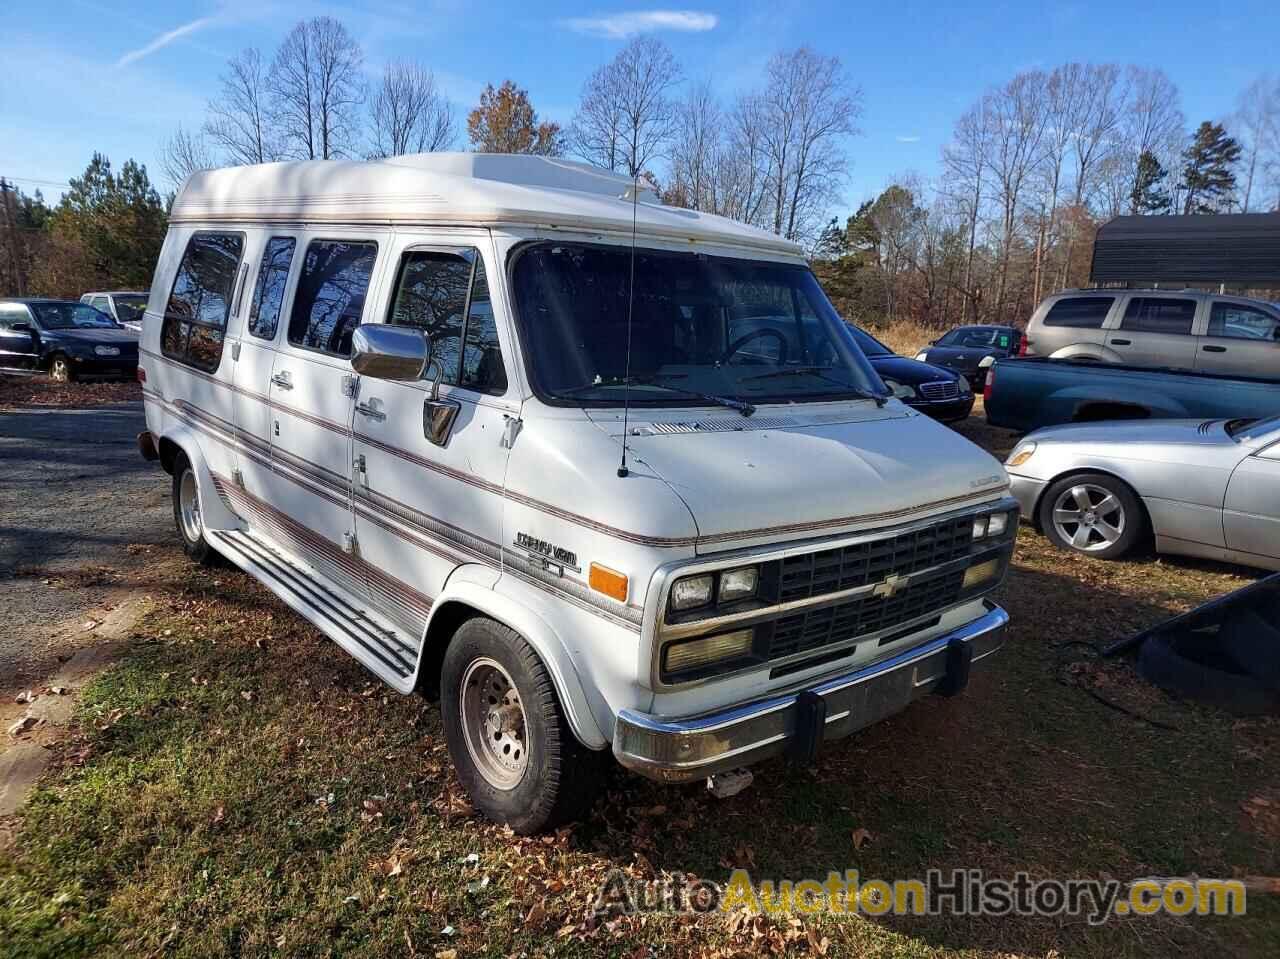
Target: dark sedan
{"type": "Point", "coordinates": [969, 350]}
{"type": "Point", "coordinates": [939, 393]}
{"type": "Point", "coordinates": [66, 339]}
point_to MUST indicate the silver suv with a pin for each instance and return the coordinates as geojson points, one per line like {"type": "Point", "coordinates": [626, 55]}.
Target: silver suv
{"type": "Point", "coordinates": [1184, 330]}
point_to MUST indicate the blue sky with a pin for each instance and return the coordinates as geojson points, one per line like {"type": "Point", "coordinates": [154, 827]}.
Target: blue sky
{"type": "Point", "coordinates": [119, 76]}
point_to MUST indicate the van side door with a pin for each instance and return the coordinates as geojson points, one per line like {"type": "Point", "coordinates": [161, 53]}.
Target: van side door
{"type": "Point", "coordinates": [428, 492]}
{"type": "Point", "coordinates": [1156, 331]}
{"type": "Point", "coordinates": [1240, 340]}
{"type": "Point", "coordinates": [308, 506]}
{"type": "Point", "coordinates": [271, 270]}
{"type": "Point", "coordinates": [1251, 512]}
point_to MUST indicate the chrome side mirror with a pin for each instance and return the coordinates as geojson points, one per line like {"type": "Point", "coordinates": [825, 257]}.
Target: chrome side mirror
{"type": "Point", "coordinates": [438, 415]}
{"type": "Point", "coordinates": [390, 352]}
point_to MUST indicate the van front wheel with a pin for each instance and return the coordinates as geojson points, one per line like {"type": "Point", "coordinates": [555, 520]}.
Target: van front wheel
{"type": "Point", "coordinates": [507, 735]}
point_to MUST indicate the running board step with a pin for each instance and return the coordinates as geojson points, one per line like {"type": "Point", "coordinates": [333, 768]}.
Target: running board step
{"type": "Point", "coordinates": [385, 651]}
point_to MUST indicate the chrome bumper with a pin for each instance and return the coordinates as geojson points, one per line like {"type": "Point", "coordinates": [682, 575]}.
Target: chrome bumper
{"type": "Point", "coordinates": [680, 750]}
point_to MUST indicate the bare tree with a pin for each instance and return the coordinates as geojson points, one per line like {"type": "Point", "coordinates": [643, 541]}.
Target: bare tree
{"type": "Point", "coordinates": [966, 160]}
{"type": "Point", "coordinates": [805, 112]}
{"type": "Point", "coordinates": [239, 119]}
{"type": "Point", "coordinates": [1153, 121]}
{"type": "Point", "coordinates": [183, 154]}
{"type": "Point", "coordinates": [626, 117]}
{"type": "Point", "coordinates": [696, 150]}
{"type": "Point", "coordinates": [409, 114]}
{"type": "Point", "coordinates": [1257, 117]}
{"type": "Point", "coordinates": [317, 87]}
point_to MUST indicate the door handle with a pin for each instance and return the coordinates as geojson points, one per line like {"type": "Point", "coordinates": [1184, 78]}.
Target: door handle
{"type": "Point", "coordinates": [1214, 349]}
{"type": "Point", "coordinates": [371, 410]}
{"type": "Point", "coordinates": [1121, 342]}
{"type": "Point", "coordinates": [283, 380]}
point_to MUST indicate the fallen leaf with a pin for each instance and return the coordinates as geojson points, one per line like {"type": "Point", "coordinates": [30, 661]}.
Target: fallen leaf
{"type": "Point", "coordinates": [25, 697]}
{"type": "Point", "coordinates": [246, 695]}
{"type": "Point", "coordinates": [447, 954]}
{"type": "Point", "coordinates": [219, 813]}
{"type": "Point", "coordinates": [58, 690]}
{"type": "Point", "coordinates": [22, 725]}
{"type": "Point", "coordinates": [861, 836]}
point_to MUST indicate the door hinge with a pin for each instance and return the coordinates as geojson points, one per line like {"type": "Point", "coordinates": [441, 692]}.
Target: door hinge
{"type": "Point", "coordinates": [358, 464]}
{"type": "Point", "coordinates": [235, 350]}
{"type": "Point", "coordinates": [349, 544]}
{"type": "Point", "coordinates": [237, 477]}
{"type": "Point", "coordinates": [510, 430]}
{"type": "Point", "coordinates": [350, 385]}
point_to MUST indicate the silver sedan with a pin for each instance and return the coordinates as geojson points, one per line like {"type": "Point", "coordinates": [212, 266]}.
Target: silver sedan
{"type": "Point", "coordinates": [1202, 488]}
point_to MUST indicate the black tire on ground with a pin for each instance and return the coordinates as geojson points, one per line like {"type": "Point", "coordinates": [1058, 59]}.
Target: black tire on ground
{"type": "Point", "coordinates": [1195, 666]}
{"type": "Point", "coordinates": [560, 776]}
{"type": "Point", "coordinates": [60, 370]}
{"type": "Point", "coordinates": [1135, 525]}
{"type": "Point", "coordinates": [1254, 643]}
{"type": "Point", "coordinates": [193, 542]}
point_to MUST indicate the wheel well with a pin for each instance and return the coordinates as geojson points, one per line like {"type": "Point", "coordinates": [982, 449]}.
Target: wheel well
{"type": "Point", "coordinates": [1096, 412]}
{"type": "Point", "coordinates": [1142, 504]}
{"type": "Point", "coordinates": [169, 452]}
{"type": "Point", "coordinates": [48, 360]}
{"type": "Point", "coordinates": [444, 624]}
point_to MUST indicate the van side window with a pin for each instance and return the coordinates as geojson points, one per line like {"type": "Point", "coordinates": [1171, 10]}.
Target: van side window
{"type": "Point", "coordinates": [329, 300]}
{"type": "Point", "coordinates": [1159, 315]}
{"type": "Point", "coordinates": [447, 296]}
{"type": "Point", "coordinates": [1242, 322]}
{"type": "Point", "coordinates": [264, 314]}
{"type": "Point", "coordinates": [196, 314]}
{"type": "Point", "coordinates": [1080, 312]}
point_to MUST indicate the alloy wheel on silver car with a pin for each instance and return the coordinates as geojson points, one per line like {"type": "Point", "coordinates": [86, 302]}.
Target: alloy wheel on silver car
{"type": "Point", "coordinates": [1088, 517]}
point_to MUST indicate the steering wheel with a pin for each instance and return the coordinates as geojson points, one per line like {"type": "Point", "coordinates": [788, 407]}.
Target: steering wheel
{"type": "Point", "coordinates": [765, 331]}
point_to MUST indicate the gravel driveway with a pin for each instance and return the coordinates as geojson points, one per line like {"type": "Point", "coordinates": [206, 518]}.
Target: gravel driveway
{"type": "Point", "coordinates": [80, 511]}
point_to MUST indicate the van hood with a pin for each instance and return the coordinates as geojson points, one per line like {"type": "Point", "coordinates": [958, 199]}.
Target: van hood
{"type": "Point", "coordinates": [811, 476]}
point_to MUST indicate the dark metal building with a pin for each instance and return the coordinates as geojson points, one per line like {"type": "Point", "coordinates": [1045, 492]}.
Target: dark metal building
{"type": "Point", "coordinates": [1240, 249]}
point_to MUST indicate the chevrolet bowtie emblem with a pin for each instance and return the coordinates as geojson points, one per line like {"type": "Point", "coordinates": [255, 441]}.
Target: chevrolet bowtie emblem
{"type": "Point", "coordinates": [888, 588]}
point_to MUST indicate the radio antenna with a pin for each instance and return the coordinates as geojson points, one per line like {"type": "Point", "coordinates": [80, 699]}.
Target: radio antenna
{"type": "Point", "coordinates": [631, 299]}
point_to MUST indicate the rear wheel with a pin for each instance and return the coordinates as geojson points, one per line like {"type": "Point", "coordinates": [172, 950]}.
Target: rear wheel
{"type": "Point", "coordinates": [60, 369]}
{"type": "Point", "coordinates": [187, 513]}
{"type": "Point", "coordinates": [1094, 514]}
{"type": "Point", "coordinates": [510, 742]}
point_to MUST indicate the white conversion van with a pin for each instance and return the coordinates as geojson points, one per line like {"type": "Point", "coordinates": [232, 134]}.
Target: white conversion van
{"type": "Point", "coordinates": [601, 474]}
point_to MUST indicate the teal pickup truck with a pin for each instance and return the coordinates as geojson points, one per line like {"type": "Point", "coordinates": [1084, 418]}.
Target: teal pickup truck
{"type": "Point", "coordinates": [1026, 393]}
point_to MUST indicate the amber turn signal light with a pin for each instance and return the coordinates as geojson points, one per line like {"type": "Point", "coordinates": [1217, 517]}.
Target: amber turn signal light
{"type": "Point", "coordinates": [608, 581]}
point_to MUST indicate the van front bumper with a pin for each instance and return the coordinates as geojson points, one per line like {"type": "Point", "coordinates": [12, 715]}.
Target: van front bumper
{"type": "Point", "coordinates": [681, 750]}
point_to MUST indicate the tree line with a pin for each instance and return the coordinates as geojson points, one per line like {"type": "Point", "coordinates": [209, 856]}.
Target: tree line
{"type": "Point", "coordinates": [1031, 169]}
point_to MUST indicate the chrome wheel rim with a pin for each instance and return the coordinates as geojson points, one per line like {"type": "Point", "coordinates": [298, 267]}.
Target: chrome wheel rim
{"type": "Point", "coordinates": [189, 507]}
{"type": "Point", "coordinates": [1089, 517]}
{"type": "Point", "coordinates": [493, 723]}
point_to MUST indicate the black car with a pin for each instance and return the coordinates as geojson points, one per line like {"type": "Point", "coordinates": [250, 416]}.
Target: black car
{"type": "Point", "coordinates": [65, 339]}
{"type": "Point", "coordinates": [966, 347]}
{"type": "Point", "coordinates": [940, 393]}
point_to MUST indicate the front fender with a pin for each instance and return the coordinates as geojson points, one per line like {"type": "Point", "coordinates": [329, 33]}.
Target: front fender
{"type": "Point", "coordinates": [214, 512]}
{"type": "Point", "coordinates": [473, 588]}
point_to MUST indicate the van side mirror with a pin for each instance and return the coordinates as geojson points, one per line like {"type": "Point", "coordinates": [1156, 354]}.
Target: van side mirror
{"type": "Point", "coordinates": [389, 352]}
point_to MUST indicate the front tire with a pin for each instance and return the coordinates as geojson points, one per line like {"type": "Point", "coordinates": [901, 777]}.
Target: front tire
{"type": "Point", "coordinates": [1094, 514]}
{"type": "Point", "coordinates": [60, 370]}
{"type": "Point", "coordinates": [510, 743]}
{"type": "Point", "coordinates": [188, 515]}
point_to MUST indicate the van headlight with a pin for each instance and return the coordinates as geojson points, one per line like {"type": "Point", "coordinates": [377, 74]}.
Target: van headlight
{"type": "Point", "coordinates": [721, 588]}
{"type": "Point", "coordinates": [900, 390]}
{"type": "Point", "coordinates": [990, 525]}
{"type": "Point", "coordinates": [695, 653]}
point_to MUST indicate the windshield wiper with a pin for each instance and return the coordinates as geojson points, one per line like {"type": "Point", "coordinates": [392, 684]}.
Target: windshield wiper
{"type": "Point", "coordinates": [746, 409]}
{"type": "Point", "coordinates": [819, 372]}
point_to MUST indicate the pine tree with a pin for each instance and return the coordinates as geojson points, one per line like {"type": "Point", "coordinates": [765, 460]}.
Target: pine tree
{"type": "Point", "coordinates": [1207, 175]}
{"type": "Point", "coordinates": [1149, 195]}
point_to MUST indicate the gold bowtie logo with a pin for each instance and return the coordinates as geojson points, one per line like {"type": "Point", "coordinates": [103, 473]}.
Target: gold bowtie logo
{"type": "Point", "coordinates": [888, 588]}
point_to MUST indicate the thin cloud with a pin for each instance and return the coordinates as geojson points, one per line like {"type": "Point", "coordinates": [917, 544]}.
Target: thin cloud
{"type": "Point", "coordinates": [620, 26]}
{"type": "Point", "coordinates": [162, 41]}
{"type": "Point", "coordinates": [910, 139]}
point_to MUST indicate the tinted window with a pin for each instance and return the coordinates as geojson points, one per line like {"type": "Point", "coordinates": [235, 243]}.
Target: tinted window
{"type": "Point", "coordinates": [1150, 315]}
{"type": "Point", "coordinates": [1243, 322]}
{"type": "Point", "coordinates": [72, 316]}
{"type": "Point", "coordinates": [268, 295]}
{"type": "Point", "coordinates": [196, 314]}
{"type": "Point", "coordinates": [330, 297]}
{"type": "Point", "coordinates": [1081, 312]}
{"type": "Point", "coordinates": [447, 295]}
{"type": "Point", "coordinates": [869, 344]}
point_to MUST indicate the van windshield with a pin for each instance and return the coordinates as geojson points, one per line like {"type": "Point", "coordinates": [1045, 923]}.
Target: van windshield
{"type": "Point", "coordinates": [752, 331]}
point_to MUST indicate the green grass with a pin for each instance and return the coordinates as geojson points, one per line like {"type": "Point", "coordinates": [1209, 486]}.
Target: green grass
{"type": "Point", "coordinates": [238, 786]}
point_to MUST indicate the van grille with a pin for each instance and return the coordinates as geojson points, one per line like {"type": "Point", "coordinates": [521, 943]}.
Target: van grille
{"type": "Point", "coordinates": [848, 567]}
{"type": "Point", "coordinates": [816, 628]}
{"type": "Point", "coordinates": [940, 390]}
